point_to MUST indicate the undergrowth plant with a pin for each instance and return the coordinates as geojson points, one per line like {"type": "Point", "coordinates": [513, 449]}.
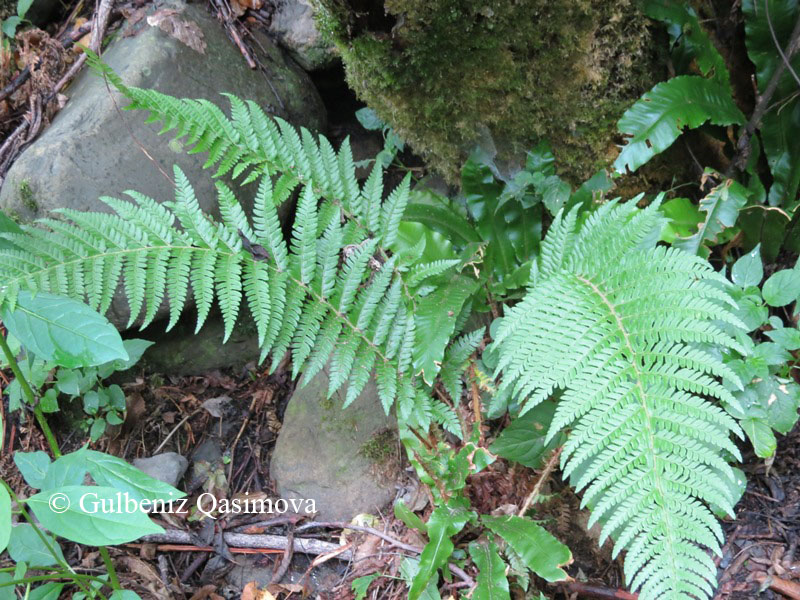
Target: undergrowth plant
{"type": "Point", "coordinates": [630, 344]}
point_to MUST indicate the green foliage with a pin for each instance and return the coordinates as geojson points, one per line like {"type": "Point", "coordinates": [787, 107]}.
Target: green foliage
{"type": "Point", "coordinates": [653, 123]}
{"type": "Point", "coordinates": [646, 444]}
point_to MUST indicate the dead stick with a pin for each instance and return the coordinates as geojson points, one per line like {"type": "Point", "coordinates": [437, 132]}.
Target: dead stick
{"type": "Point", "coordinates": [790, 589]}
{"type": "Point", "coordinates": [242, 540]}
{"type": "Point", "coordinates": [595, 591]}
{"type": "Point", "coordinates": [190, 548]}
{"type": "Point", "coordinates": [100, 24]}
{"type": "Point", "coordinates": [548, 468]}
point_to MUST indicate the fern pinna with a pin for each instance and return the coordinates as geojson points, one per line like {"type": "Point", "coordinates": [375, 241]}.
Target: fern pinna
{"type": "Point", "coordinates": [617, 323]}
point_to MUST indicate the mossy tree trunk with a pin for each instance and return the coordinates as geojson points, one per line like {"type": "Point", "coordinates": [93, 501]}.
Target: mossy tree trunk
{"type": "Point", "coordinates": [450, 74]}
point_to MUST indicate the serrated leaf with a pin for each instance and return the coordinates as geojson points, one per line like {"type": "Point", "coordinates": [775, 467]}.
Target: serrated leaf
{"type": "Point", "coordinates": [33, 466]}
{"type": "Point", "coordinates": [62, 330]}
{"type": "Point", "coordinates": [655, 121]}
{"type": "Point", "coordinates": [541, 552]}
{"type": "Point", "coordinates": [100, 522]}
{"type": "Point", "coordinates": [360, 585]}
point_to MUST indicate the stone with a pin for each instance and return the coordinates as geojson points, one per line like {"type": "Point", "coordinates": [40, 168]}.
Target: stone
{"type": "Point", "coordinates": [168, 467]}
{"type": "Point", "coordinates": [93, 148]}
{"type": "Point", "coordinates": [182, 352]}
{"type": "Point", "coordinates": [346, 460]}
{"type": "Point", "coordinates": [294, 28]}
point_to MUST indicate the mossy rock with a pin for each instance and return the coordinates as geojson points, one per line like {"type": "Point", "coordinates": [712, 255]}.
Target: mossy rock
{"type": "Point", "coordinates": [448, 74]}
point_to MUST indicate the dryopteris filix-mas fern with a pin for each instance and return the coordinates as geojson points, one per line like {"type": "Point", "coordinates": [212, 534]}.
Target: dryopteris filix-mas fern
{"type": "Point", "coordinates": [610, 318]}
{"type": "Point", "coordinates": [615, 321]}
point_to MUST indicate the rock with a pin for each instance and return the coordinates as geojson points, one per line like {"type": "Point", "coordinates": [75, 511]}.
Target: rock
{"type": "Point", "coordinates": [92, 148]}
{"type": "Point", "coordinates": [168, 467]}
{"type": "Point", "coordinates": [294, 27]}
{"type": "Point", "coordinates": [345, 460]}
{"type": "Point", "coordinates": [182, 352]}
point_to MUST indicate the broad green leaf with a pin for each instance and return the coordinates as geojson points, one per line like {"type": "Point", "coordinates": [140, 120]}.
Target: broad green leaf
{"type": "Point", "coordinates": [97, 429]}
{"type": "Point", "coordinates": [7, 592]}
{"type": "Point", "coordinates": [69, 469]}
{"type": "Point", "coordinates": [655, 121]}
{"type": "Point", "coordinates": [442, 525]}
{"type": "Point", "coordinates": [782, 287]}
{"type": "Point", "coordinates": [48, 591]}
{"type": "Point", "coordinates": [435, 319]}
{"type": "Point", "coordinates": [9, 25]}
{"type": "Point", "coordinates": [780, 134]}
{"type": "Point", "coordinates": [369, 119]}
{"type": "Point", "coordinates": [26, 545]}
{"type": "Point", "coordinates": [62, 330]}
{"type": "Point", "coordinates": [721, 206]}
{"type": "Point", "coordinates": [787, 337]}
{"type": "Point", "coordinates": [523, 441]}
{"type": "Point", "coordinates": [683, 218]}
{"type": "Point", "coordinates": [443, 219]}
{"type": "Point", "coordinates": [748, 270]}
{"type": "Point", "coordinates": [5, 517]}
{"type": "Point", "coordinates": [124, 595]}
{"type": "Point", "coordinates": [360, 585]}
{"type": "Point", "coordinates": [409, 569]}
{"type": "Point", "coordinates": [114, 472]}
{"type": "Point", "coordinates": [491, 581]}
{"type": "Point", "coordinates": [405, 514]}
{"type": "Point", "coordinates": [542, 553]}
{"type": "Point", "coordinates": [33, 466]}
{"type": "Point", "coordinates": [690, 44]}
{"type": "Point", "coordinates": [761, 436]}
{"type": "Point", "coordinates": [135, 348]}
{"type": "Point", "coordinates": [95, 516]}
{"type": "Point", "coordinates": [22, 7]}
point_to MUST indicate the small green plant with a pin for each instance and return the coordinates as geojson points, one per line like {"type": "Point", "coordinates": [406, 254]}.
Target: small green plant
{"type": "Point", "coordinates": [9, 24]}
{"type": "Point", "coordinates": [392, 144]}
{"type": "Point", "coordinates": [66, 333]}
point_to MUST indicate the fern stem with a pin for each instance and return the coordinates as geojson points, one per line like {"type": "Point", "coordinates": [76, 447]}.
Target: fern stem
{"type": "Point", "coordinates": [29, 396]}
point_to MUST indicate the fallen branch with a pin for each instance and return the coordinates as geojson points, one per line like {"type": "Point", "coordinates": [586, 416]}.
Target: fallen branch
{"type": "Point", "coordinates": [260, 541]}
{"type": "Point", "coordinates": [595, 591]}
{"type": "Point", "coordinates": [790, 589]}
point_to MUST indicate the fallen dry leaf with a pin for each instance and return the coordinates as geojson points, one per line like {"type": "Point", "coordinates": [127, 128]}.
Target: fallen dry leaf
{"type": "Point", "coordinates": [214, 405]}
{"type": "Point", "coordinates": [251, 592]}
{"type": "Point", "coordinates": [188, 32]}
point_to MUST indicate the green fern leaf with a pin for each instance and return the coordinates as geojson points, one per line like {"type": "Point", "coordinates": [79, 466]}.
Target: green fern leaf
{"type": "Point", "coordinates": [655, 121]}
{"type": "Point", "coordinates": [611, 320]}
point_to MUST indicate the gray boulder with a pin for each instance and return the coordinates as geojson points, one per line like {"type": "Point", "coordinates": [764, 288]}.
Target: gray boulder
{"type": "Point", "coordinates": [347, 461]}
{"type": "Point", "coordinates": [93, 148]}
{"type": "Point", "coordinates": [294, 27]}
{"type": "Point", "coordinates": [168, 467]}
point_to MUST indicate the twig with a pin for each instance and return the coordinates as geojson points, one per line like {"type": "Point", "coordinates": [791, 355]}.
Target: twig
{"type": "Point", "coordinates": [595, 591]}
{"type": "Point", "coordinates": [548, 468]}
{"type": "Point", "coordinates": [285, 561]}
{"type": "Point", "coordinates": [784, 58]}
{"type": "Point", "coordinates": [264, 542]}
{"type": "Point", "coordinates": [460, 573]}
{"type": "Point", "coordinates": [790, 589]}
{"type": "Point", "coordinates": [100, 22]}
{"type": "Point", "coordinates": [174, 429]}
{"type": "Point", "coordinates": [239, 435]}
{"type": "Point", "coordinates": [743, 145]}
{"type": "Point", "coordinates": [191, 548]}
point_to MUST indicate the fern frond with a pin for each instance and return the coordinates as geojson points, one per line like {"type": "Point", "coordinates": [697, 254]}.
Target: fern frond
{"type": "Point", "coordinates": [613, 320]}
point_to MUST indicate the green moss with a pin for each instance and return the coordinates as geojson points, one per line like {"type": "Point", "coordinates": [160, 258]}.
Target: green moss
{"type": "Point", "coordinates": [449, 73]}
{"type": "Point", "coordinates": [27, 198]}
{"type": "Point", "coordinates": [381, 447]}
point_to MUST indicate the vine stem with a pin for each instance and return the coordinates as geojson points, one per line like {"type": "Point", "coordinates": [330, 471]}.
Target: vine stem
{"type": "Point", "coordinates": [29, 396]}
